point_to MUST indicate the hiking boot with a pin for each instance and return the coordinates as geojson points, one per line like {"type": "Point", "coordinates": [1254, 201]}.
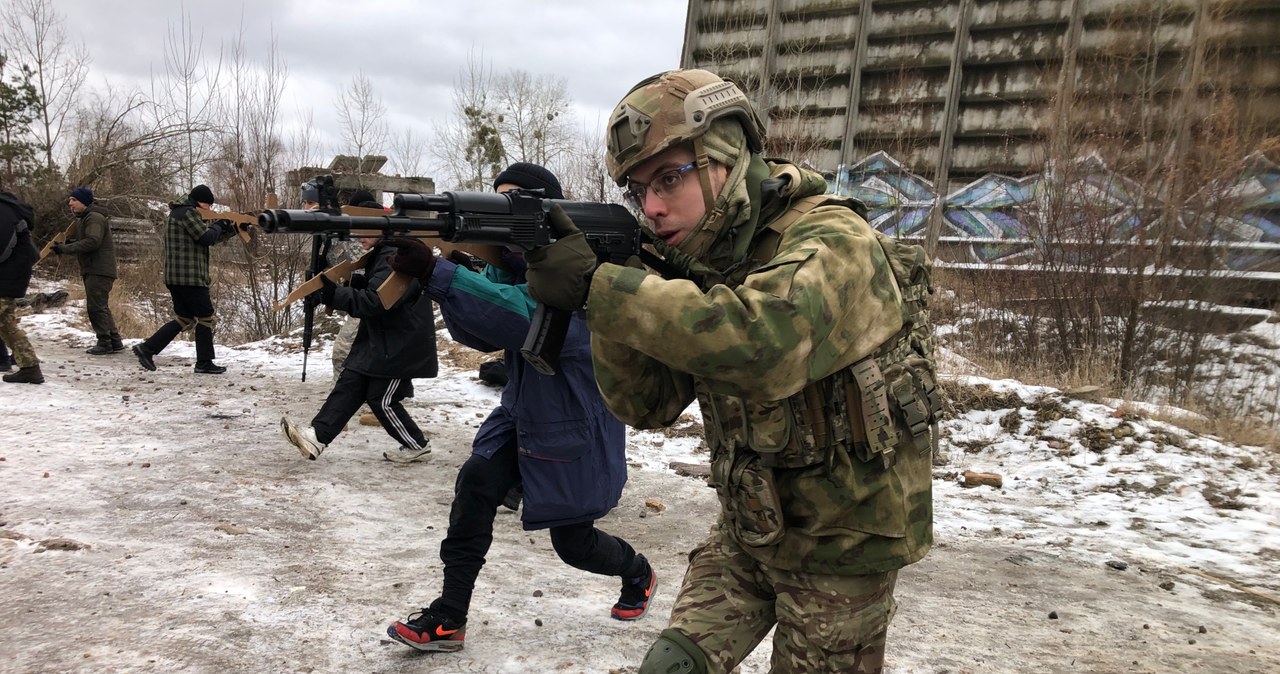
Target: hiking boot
{"type": "Point", "coordinates": [633, 603]}
{"type": "Point", "coordinates": [99, 349]}
{"type": "Point", "coordinates": [6, 365]}
{"type": "Point", "coordinates": [25, 375]}
{"type": "Point", "coordinates": [409, 454]}
{"type": "Point", "coordinates": [427, 630]}
{"type": "Point", "coordinates": [302, 438]}
{"type": "Point", "coordinates": [144, 357]}
{"type": "Point", "coordinates": [209, 368]}
{"type": "Point", "coordinates": [117, 346]}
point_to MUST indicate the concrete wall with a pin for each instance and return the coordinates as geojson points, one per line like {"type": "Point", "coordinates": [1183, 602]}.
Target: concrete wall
{"type": "Point", "coordinates": [957, 89]}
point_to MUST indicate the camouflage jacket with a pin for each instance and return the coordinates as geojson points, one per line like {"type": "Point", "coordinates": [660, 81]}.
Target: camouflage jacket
{"type": "Point", "coordinates": [825, 300]}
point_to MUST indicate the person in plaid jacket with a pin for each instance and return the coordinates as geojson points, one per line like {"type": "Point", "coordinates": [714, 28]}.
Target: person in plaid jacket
{"type": "Point", "coordinates": [187, 239]}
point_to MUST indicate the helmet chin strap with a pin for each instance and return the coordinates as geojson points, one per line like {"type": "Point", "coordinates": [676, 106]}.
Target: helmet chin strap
{"type": "Point", "coordinates": [703, 163]}
{"type": "Point", "coordinates": [700, 240]}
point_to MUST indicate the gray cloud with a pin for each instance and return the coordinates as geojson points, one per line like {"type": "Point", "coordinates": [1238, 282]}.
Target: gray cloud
{"type": "Point", "coordinates": [411, 51]}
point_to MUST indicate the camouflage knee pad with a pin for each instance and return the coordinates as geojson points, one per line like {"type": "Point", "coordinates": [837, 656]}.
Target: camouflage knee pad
{"type": "Point", "coordinates": [673, 653]}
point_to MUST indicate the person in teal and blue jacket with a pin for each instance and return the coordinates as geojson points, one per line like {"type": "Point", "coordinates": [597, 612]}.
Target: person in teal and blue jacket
{"type": "Point", "coordinates": [552, 433]}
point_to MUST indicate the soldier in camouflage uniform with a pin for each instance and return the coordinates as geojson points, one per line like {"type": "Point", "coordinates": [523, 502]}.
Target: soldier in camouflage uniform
{"type": "Point", "coordinates": [811, 363]}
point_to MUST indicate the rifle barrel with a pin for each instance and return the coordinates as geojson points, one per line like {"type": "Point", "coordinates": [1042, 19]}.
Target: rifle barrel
{"type": "Point", "coordinates": [285, 221]}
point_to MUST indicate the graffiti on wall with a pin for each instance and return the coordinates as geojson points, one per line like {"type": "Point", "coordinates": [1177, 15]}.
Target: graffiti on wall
{"type": "Point", "coordinates": [1083, 208]}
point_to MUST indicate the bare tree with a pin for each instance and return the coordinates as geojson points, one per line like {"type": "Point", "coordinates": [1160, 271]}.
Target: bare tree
{"type": "Point", "coordinates": [249, 165]}
{"type": "Point", "coordinates": [470, 144]}
{"type": "Point", "coordinates": [37, 36]}
{"type": "Point", "coordinates": [188, 96]}
{"type": "Point", "coordinates": [118, 146]}
{"type": "Point", "coordinates": [407, 152]}
{"type": "Point", "coordinates": [581, 170]}
{"type": "Point", "coordinates": [302, 150]}
{"type": "Point", "coordinates": [363, 117]}
{"type": "Point", "coordinates": [254, 276]}
{"type": "Point", "coordinates": [534, 119]}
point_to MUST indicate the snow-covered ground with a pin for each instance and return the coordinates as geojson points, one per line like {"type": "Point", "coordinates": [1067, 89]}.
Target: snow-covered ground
{"type": "Point", "coordinates": [158, 522]}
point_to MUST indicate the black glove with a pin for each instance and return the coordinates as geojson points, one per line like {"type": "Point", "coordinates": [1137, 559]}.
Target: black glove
{"type": "Point", "coordinates": [358, 282]}
{"type": "Point", "coordinates": [327, 292]}
{"type": "Point", "coordinates": [412, 257]}
{"type": "Point", "coordinates": [462, 259]}
{"type": "Point", "coordinates": [57, 249]}
{"type": "Point", "coordinates": [560, 274]}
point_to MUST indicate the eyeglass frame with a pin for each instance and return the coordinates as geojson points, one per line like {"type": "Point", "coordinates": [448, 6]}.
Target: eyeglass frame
{"type": "Point", "coordinates": [637, 198]}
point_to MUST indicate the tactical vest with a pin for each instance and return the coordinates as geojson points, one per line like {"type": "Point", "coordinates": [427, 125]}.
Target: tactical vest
{"type": "Point", "coordinates": [859, 404]}
{"type": "Point", "coordinates": [866, 412]}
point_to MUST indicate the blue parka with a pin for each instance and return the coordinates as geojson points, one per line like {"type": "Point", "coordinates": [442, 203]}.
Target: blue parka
{"type": "Point", "coordinates": [571, 449]}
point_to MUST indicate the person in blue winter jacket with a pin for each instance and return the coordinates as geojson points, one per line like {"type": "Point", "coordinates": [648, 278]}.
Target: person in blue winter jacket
{"type": "Point", "coordinates": [551, 432]}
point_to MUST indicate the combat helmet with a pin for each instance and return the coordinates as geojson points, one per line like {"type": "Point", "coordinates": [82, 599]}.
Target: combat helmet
{"type": "Point", "coordinates": [671, 108]}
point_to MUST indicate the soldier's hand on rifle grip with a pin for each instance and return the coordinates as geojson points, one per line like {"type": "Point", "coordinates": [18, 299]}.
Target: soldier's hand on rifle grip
{"type": "Point", "coordinates": [57, 249]}
{"type": "Point", "coordinates": [327, 292]}
{"type": "Point", "coordinates": [560, 274]}
{"type": "Point", "coordinates": [412, 257]}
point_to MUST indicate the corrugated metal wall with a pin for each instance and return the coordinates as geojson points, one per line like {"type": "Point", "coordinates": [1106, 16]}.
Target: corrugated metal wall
{"type": "Point", "coordinates": [957, 89]}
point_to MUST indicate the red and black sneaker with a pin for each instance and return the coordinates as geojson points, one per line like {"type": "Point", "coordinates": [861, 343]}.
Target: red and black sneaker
{"type": "Point", "coordinates": [636, 593]}
{"type": "Point", "coordinates": [427, 630]}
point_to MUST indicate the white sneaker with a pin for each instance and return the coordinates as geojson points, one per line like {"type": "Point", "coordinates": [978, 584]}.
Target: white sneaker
{"type": "Point", "coordinates": [409, 454]}
{"type": "Point", "coordinates": [302, 438]}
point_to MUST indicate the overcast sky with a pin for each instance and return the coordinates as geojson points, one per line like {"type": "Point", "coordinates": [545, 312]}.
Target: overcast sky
{"type": "Point", "coordinates": [412, 51]}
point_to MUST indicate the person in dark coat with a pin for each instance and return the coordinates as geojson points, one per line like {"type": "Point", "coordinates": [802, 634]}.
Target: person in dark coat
{"type": "Point", "coordinates": [552, 433]}
{"type": "Point", "coordinates": [95, 250]}
{"type": "Point", "coordinates": [17, 257]}
{"type": "Point", "coordinates": [392, 347]}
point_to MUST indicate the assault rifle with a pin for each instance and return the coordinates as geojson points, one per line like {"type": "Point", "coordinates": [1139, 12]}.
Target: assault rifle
{"type": "Point", "coordinates": [517, 220]}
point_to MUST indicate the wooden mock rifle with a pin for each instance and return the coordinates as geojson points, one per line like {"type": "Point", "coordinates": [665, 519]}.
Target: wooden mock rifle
{"type": "Point", "coordinates": [60, 237]}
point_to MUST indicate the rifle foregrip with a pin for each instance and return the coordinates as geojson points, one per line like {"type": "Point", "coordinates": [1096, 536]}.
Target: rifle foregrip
{"type": "Point", "coordinates": [547, 332]}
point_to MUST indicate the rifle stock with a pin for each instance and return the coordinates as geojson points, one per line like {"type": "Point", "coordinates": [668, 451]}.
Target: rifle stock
{"type": "Point", "coordinates": [241, 221]}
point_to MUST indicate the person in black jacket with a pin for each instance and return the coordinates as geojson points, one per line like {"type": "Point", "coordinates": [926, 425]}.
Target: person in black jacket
{"type": "Point", "coordinates": [17, 257]}
{"type": "Point", "coordinates": [392, 347]}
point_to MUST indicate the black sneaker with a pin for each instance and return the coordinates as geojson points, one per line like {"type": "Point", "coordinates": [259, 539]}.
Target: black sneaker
{"type": "Point", "coordinates": [99, 349]}
{"type": "Point", "coordinates": [427, 630]}
{"type": "Point", "coordinates": [144, 357]}
{"type": "Point", "coordinates": [633, 603]}
{"type": "Point", "coordinates": [209, 368]}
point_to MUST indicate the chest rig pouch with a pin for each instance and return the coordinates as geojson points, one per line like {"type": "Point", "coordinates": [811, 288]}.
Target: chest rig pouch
{"type": "Point", "coordinates": [869, 410]}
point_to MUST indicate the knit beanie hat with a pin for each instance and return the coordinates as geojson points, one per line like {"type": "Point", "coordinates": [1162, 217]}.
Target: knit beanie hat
{"type": "Point", "coordinates": [83, 194]}
{"type": "Point", "coordinates": [201, 194]}
{"type": "Point", "coordinates": [530, 177]}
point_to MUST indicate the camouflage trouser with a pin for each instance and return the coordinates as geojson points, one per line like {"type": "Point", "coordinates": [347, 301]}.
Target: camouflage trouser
{"type": "Point", "coordinates": [342, 344]}
{"type": "Point", "coordinates": [729, 601]}
{"type": "Point", "coordinates": [12, 334]}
